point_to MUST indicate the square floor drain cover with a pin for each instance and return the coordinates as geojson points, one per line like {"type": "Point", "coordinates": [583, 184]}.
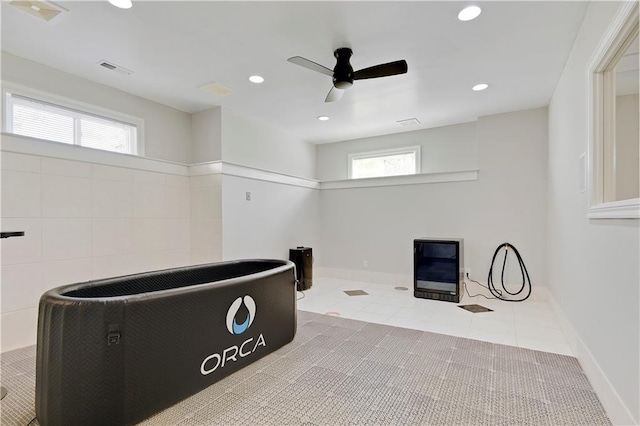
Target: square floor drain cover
{"type": "Point", "coordinates": [475, 308]}
{"type": "Point", "coordinates": [356, 292]}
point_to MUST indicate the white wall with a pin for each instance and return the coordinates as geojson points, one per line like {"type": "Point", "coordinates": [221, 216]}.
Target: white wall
{"type": "Point", "coordinates": [206, 132]}
{"type": "Point", "coordinates": [258, 145]}
{"type": "Point", "coordinates": [277, 218]}
{"type": "Point", "coordinates": [506, 203]}
{"type": "Point", "coordinates": [443, 149]}
{"type": "Point", "coordinates": [167, 130]}
{"type": "Point", "coordinates": [83, 221]}
{"type": "Point", "coordinates": [593, 264]}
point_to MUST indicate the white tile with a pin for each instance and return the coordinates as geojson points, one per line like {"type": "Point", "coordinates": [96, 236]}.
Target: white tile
{"type": "Point", "coordinates": [414, 323]}
{"type": "Point", "coordinates": [147, 261]}
{"type": "Point", "coordinates": [178, 203]}
{"type": "Point", "coordinates": [178, 233]}
{"type": "Point", "coordinates": [486, 324]}
{"type": "Point", "coordinates": [408, 313]}
{"type": "Point", "coordinates": [177, 181]}
{"type": "Point", "coordinates": [149, 234]}
{"type": "Point", "coordinates": [206, 202]}
{"type": "Point", "coordinates": [205, 180]}
{"type": "Point", "coordinates": [449, 321]}
{"type": "Point", "coordinates": [201, 256]}
{"type": "Point", "coordinates": [178, 258]}
{"type": "Point", "coordinates": [21, 162]}
{"type": "Point", "coordinates": [54, 166]}
{"type": "Point", "coordinates": [22, 249]}
{"type": "Point", "coordinates": [64, 272]}
{"type": "Point", "coordinates": [111, 236]}
{"type": "Point", "coordinates": [121, 174]}
{"type": "Point", "coordinates": [111, 266]}
{"type": "Point", "coordinates": [542, 333]}
{"type": "Point", "coordinates": [21, 286]}
{"type": "Point", "coordinates": [66, 238]}
{"type": "Point", "coordinates": [154, 178]}
{"type": "Point", "coordinates": [149, 200]}
{"type": "Point", "coordinates": [19, 329]}
{"type": "Point", "coordinates": [111, 199]}
{"type": "Point", "coordinates": [378, 308]}
{"type": "Point", "coordinates": [21, 194]}
{"type": "Point", "coordinates": [206, 234]}
{"type": "Point", "coordinates": [64, 196]}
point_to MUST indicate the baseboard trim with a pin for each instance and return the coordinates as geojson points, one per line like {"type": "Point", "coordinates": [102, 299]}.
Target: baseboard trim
{"type": "Point", "coordinates": [611, 401]}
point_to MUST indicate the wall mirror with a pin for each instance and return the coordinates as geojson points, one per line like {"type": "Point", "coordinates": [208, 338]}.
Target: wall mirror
{"type": "Point", "coordinates": [614, 148]}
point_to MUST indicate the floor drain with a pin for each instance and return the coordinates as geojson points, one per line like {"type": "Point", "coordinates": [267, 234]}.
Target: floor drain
{"type": "Point", "coordinates": [401, 288]}
{"type": "Point", "coordinates": [475, 308]}
{"type": "Point", "coordinates": [356, 292]}
{"type": "Point", "coordinates": [333, 314]}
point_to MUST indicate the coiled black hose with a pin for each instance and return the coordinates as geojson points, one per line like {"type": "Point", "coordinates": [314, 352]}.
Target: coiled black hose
{"type": "Point", "coordinates": [526, 282]}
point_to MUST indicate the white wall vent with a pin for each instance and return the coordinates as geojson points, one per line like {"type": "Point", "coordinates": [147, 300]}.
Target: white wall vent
{"type": "Point", "coordinates": [113, 67]}
{"type": "Point", "coordinates": [45, 10]}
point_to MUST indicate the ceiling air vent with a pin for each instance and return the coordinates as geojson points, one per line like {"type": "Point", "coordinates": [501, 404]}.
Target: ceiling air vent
{"type": "Point", "coordinates": [45, 10]}
{"type": "Point", "coordinates": [113, 67]}
{"type": "Point", "coordinates": [216, 88]}
{"type": "Point", "coordinates": [408, 122]}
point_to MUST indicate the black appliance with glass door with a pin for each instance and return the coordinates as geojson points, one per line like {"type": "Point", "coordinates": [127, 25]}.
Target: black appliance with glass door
{"type": "Point", "coordinates": [438, 268]}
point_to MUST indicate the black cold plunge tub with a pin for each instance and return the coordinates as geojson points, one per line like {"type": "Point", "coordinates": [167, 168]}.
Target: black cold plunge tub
{"type": "Point", "coordinates": [115, 351]}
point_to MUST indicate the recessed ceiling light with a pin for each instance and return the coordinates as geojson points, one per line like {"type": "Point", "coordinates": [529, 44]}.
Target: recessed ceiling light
{"type": "Point", "coordinates": [256, 79]}
{"type": "Point", "coordinates": [479, 87]}
{"type": "Point", "coordinates": [469, 13]}
{"type": "Point", "coordinates": [323, 118]}
{"type": "Point", "coordinates": [122, 4]}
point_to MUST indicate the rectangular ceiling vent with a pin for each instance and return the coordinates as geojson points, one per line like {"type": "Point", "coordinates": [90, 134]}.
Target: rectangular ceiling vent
{"type": "Point", "coordinates": [408, 122]}
{"type": "Point", "coordinates": [113, 67]}
{"type": "Point", "coordinates": [45, 10]}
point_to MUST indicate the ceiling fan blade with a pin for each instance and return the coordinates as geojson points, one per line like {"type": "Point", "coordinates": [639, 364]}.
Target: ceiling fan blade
{"type": "Point", "coordinates": [303, 62]}
{"type": "Point", "coordinates": [382, 70]}
{"type": "Point", "coordinates": [334, 95]}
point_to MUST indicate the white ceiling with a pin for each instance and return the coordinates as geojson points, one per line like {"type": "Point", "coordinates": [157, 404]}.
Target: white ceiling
{"type": "Point", "coordinates": [174, 47]}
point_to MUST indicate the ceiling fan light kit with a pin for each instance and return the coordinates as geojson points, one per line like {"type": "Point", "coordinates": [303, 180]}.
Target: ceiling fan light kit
{"type": "Point", "coordinates": [343, 74]}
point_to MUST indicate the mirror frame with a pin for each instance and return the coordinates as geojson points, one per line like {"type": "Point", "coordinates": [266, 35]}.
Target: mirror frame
{"type": "Point", "coordinates": [601, 115]}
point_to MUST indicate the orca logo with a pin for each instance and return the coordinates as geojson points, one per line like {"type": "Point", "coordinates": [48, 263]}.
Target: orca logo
{"type": "Point", "coordinates": [246, 317]}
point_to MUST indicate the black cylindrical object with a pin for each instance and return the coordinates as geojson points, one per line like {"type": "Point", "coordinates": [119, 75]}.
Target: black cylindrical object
{"type": "Point", "coordinates": [303, 259]}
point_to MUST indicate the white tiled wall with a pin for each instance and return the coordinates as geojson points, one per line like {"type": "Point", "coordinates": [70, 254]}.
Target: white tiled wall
{"type": "Point", "coordinates": [86, 221]}
{"type": "Point", "coordinates": [206, 218]}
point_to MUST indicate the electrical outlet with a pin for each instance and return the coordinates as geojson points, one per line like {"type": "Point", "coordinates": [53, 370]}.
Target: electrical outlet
{"type": "Point", "coordinates": [365, 264]}
{"type": "Point", "coordinates": [467, 272]}
{"type": "Point", "coordinates": [248, 196]}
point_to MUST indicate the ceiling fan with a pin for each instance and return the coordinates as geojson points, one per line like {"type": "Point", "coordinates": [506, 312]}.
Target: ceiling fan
{"type": "Point", "coordinates": [343, 74]}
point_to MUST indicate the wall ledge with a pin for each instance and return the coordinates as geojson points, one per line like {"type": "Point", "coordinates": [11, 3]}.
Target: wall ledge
{"type": "Point", "coordinates": [613, 405]}
{"type": "Point", "coordinates": [422, 178]}
{"type": "Point", "coordinates": [42, 148]}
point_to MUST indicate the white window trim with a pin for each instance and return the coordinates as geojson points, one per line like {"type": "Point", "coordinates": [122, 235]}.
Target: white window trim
{"type": "Point", "coordinates": [81, 107]}
{"type": "Point", "coordinates": [383, 153]}
{"type": "Point", "coordinates": [596, 75]}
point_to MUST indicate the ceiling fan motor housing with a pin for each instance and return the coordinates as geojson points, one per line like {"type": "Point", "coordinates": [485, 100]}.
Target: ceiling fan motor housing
{"type": "Point", "coordinates": [343, 71]}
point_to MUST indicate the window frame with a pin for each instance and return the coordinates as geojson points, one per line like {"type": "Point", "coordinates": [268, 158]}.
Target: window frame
{"type": "Point", "coordinates": [601, 114]}
{"type": "Point", "coordinates": [75, 107]}
{"type": "Point", "coordinates": [384, 153]}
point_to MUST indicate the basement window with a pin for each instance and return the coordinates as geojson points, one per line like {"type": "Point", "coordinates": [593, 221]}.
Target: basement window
{"type": "Point", "coordinates": [35, 117]}
{"type": "Point", "coordinates": [390, 162]}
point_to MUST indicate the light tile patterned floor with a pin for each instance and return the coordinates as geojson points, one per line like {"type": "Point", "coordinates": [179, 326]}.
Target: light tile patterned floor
{"type": "Point", "coordinates": [529, 324]}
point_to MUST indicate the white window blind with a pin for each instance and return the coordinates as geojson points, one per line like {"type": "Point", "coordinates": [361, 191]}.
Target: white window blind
{"type": "Point", "coordinates": [384, 163]}
{"type": "Point", "coordinates": [39, 119]}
